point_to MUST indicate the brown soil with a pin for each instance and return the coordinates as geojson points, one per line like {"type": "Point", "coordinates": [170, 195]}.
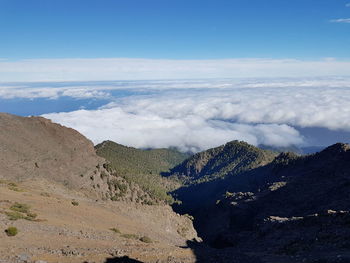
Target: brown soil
{"type": "Point", "coordinates": [67, 233]}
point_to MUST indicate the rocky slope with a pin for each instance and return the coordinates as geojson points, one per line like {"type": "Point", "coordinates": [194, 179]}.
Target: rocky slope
{"type": "Point", "coordinates": [62, 199]}
{"type": "Point", "coordinates": [35, 148]}
{"type": "Point", "coordinates": [294, 209]}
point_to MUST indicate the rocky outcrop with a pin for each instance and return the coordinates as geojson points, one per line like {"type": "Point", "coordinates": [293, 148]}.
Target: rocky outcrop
{"type": "Point", "coordinates": [294, 206]}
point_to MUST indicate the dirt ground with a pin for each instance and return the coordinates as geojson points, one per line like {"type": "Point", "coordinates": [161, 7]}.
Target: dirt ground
{"type": "Point", "coordinates": [64, 232]}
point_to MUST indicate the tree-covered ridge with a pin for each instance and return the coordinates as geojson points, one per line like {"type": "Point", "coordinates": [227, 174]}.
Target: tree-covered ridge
{"type": "Point", "coordinates": [230, 159]}
{"type": "Point", "coordinates": [143, 167]}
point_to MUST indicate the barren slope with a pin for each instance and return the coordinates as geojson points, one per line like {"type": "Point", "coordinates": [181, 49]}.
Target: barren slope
{"type": "Point", "coordinates": [37, 148]}
{"type": "Point", "coordinates": [58, 193]}
{"type": "Point", "coordinates": [63, 232]}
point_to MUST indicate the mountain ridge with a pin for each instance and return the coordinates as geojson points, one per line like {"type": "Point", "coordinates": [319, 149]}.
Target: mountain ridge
{"type": "Point", "coordinates": [226, 160]}
{"type": "Point", "coordinates": [282, 209]}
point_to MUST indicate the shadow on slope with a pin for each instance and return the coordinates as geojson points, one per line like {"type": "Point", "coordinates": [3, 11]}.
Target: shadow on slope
{"type": "Point", "coordinates": [293, 207]}
{"type": "Point", "coordinates": [124, 259]}
{"type": "Point", "coordinates": [205, 254]}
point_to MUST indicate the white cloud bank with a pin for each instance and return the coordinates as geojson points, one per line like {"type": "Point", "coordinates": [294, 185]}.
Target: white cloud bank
{"type": "Point", "coordinates": [141, 69]}
{"type": "Point", "coordinates": [204, 114]}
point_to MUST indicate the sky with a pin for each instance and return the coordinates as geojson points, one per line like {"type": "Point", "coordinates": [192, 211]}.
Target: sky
{"type": "Point", "coordinates": [174, 29]}
{"type": "Point", "coordinates": [181, 73]}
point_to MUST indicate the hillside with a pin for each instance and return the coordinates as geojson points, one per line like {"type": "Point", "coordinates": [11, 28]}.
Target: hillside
{"type": "Point", "coordinates": [227, 160]}
{"type": "Point", "coordinates": [250, 206]}
{"type": "Point", "coordinates": [294, 209]}
{"type": "Point", "coordinates": [68, 205]}
{"type": "Point", "coordinates": [143, 167]}
{"type": "Point", "coordinates": [137, 161]}
{"type": "Point", "coordinates": [34, 148]}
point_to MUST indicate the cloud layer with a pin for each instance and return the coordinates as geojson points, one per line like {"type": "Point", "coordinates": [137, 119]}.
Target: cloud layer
{"type": "Point", "coordinates": [196, 115]}
{"type": "Point", "coordinates": [141, 69]}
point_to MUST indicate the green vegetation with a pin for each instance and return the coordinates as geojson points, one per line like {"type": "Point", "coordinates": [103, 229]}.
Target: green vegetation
{"type": "Point", "coordinates": [11, 231]}
{"type": "Point", "coordinates": [189, 217]}
{"type": "Point", "coordinates": [20, 211]}
{"type": "Point", "coordinates": [146, 239]}
{"type": "Point", "coordinates": [23, 208]}
{"type": "Point", "coordinates": [45, 194]}
{"type": "Point", "coordinates": [130, 236]}
{"type": "Point", "coordinates": [75, 203]}
{"type": "Point", "coordinates": [14, 215]}
{"type": "Point", "coordinates": [3, 181]}
{"type": "Point", "coordinates": [13, 186]}
{"type": "Point", "coordinates": [115, 230]}
{"type": "Point", "coordinates": [230, 159]}
{"type": "Point", "coordinates": [142, 167]}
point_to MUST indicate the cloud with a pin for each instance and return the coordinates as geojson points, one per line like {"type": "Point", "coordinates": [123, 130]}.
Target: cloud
{"type": "Point", "coordinates": [35, 91]}
{"type": "Point", "coordinates": [104, 89]}
{"type": "Point", "coordinates": [196, 115]}
{"type": "Point", "coordinates": [190, 133]}
{"type": "Point", "coordinates": [340, 20]}
{"type": "Point", "coordinates": [347, 5]}
{"type": "Point", "coordinates": [146, 69]}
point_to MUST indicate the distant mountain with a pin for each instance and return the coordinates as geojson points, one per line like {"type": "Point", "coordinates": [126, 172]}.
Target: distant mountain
{"type": "Point", "coordinates": [295, 149]}
{"type": "Point", "coordinates": [295, 206]}
{"type": "Point", "coordinates": [143, 166]}
{"type": "Point", "coordinates": [230, 159]}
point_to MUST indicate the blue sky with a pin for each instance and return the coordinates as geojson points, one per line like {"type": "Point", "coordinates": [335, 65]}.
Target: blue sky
{"type": "Point", "coordinates": [174, 29]}
{"type": "Point", "coordinates": [185, 73]}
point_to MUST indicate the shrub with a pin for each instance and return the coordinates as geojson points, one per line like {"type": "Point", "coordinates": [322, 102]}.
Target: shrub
{"type": "Point", "coordinates": [148, 202]}
{"type": "Point", "coordinates": [75, 203]}
{"type": "Point", "coordinates": [14, 187]}
{"type": "Point", "coordinates": [130, 236]}
{"type": "Point", "coordinates": [3, 181]}
{"type": "Point", "coordinates": [116, 230]}
{"type": "Point", "coordinates": [146, 239]}
{"type": "Point", "coordinates": [23, 208]}
{"type": "Point", "coordinates": [31, 216]}
{"type": "Point", "coordinates": [114, 198]}
{"type": "Point", "coordinates": [189, 217]}
{"type": "Point", "coordinates": [11, 231]}
{"type": "Point", "coordinates": [103, 175]}
{"type": "Point", "coordinates": [14, 215]}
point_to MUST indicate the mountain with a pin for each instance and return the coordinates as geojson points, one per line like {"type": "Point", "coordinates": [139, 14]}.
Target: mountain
{"type": "Point", "coordinates": [295, 149]}
{"type": "Point", "coordinates": [293, 209]}
{"type": "Point", "coordinates": [143, 166]}
{"type": "Point", "coordinates": [61, 202]}
{"type": "Point", "coordinates": [64, 203]}
{"type": "Point", "coordinates": [227, 160]}
{"type": "Point", "coordinates": [34, 148]}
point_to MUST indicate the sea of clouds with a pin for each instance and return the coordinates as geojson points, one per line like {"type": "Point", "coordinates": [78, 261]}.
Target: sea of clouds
{"type": "Point", "coordinates": [195, 115]}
